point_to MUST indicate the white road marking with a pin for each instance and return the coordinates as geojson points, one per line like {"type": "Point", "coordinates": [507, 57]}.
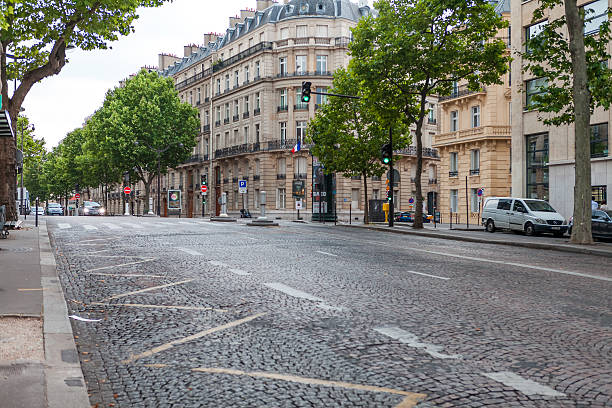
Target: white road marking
{"type": "Point", "coordinates": [62, 225]}
{"type": "Point", "coordinates": [112, 226]}
{"type": "Point", "coordinates": [185, 223]}
{"type": "Point", "coordinates": [135, 275]}
{"type": "Point", "coordinates": [160, 306]}
{"type": "Point", "coordinates": [239, 272]}
{"type": "Point", "coordinates": [133, 225]}
{"type": "Point", "coordinates": [413, 341]}
{"type": "Point", "coordinates": [147, 289]}
{"type": "Point", "coordinates": [426, 274]}
{"type": "Point", "coordinates": [89, 227]}
{"type": "Point", "coordinates": [125, 264]}
{"type": "Point", "coordinates": [217, 263]}
{"type": "Point", "coordinates": [189, 251]}
{"type": "Point", "coordinates": [171, 344]}
{"type": "Point", "coordinates": [165, 223]}
{"type": "Point", "coordinates": [288, 290]}
{"type": "Point", "coordinates": [524, 385]}
{"type": "Point", "coordinates": [326, 253]}
{"type": "Point", "coordinates": [96, 239]}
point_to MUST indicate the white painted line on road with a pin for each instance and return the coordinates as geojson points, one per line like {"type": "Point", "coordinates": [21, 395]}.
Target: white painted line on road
{"type": "Point", "coordinates": [135, 275]}
{"type": "Point", "coordinates": [63, 226]}
{"type": "Point", "coordinates": [125, 264]}
{"type": "Point", "coordinates": [217, 263]}
{"type": "Point", "coordinates": [133, 225]}
{"type": "Point", "coordinates": [189, 251]}
{"type": "Point", "coordinates": [411, 399]}
{"type": "Point", "coordinates": [524, 385]}
{"type": "Point", "coordinates": [185, 223]}
{"type": "Point", "coordinates": [166, 223]}
{"type": "Point", "coordinates": [96, 239]}
{"type": "Point", "coordinates": [89, 227]}
{"type": "Point", "coordinates": [240, 272]}
{"type": "Point", "coordinates": [112, 226]}
{"type": "Point", "coordinates": [426, 274]}
{"type": "Point", "coordinates": [288, 290]}
{"type": "Point", "coordinates": [147, 290]}
{"type": "Point", "coordinates": [326, 253]}
{"type": "Point", "coordinates": [412, 340]}
{"type": "Point", "coordinates": [160, 306]}
{"type": "Point", "coordinates": [171, 344]}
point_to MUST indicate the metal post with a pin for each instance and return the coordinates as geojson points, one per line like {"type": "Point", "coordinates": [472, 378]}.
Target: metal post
{"type": "Point", "coordinates": [451, 218]}
{"type": "Point", "coordinates": [391, 211]}
{"type": "Point", "coordinates": [467, 204]}
{"type": "Point", "coordinates": [36, 215]}
{"type": "Point", "coordinates": [158, 185]}
{"type": "Point", "coordinates": [25, 215]}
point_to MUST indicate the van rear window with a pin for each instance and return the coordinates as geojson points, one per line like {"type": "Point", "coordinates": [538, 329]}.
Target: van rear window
{"type": "Point", "coordinates": [491, 204]}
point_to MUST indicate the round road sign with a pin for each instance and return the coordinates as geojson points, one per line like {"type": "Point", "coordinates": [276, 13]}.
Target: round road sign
{"type": "Point", "coordinates": [204, 188]}
{"type": "Point", "coordinates": [77, 196]}
{"type": "Point", "coordinates": [411, 200]}
{"type": "Point", "coordinates": [480, 192]}
{"type": "Point", "coordinates": [127, 190]}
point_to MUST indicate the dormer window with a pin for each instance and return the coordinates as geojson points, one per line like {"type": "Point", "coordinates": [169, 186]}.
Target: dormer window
{"type": "Point", "coordinates": [320, 8]}
{"type": "Point", "coordinates": [304, 7]}
{"type": "Point", "coordinates": [289, 9]}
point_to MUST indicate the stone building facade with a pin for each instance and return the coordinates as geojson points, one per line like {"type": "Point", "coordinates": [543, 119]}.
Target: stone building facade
{"type": "Point", "coordinates": [246, 85]}
{"type": "Point", "coordinates": [474, 144]}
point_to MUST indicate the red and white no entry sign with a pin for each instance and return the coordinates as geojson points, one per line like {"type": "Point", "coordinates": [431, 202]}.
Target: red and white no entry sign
{"type": "Point", "coordinates": [204, 188]}
{"type": "Point", "coordinates": [77, 196]}
{"type": "Point", "coordinates": [127, 190]}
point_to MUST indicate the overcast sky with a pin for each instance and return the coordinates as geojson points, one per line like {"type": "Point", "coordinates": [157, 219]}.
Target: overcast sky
{"type": "Point", "coordinates": [59, 104]}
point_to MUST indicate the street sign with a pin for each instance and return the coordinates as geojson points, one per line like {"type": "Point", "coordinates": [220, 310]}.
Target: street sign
{"type": "Point", "coordinates": [77, 196]}
{"type": "Point", "coordinates": [298, 204]}
{"type": "Point", "coordinates": [127, 190]}
{"type": "Point", "coordinates": [480, 192]}
{"type": "Point", "coordinates": [204, 189]}
{"type": "Point", "coordinates": [298, 188]}
{"type": "Point", "coordinates": [242, 186]}
{"type": "Point", "coordinates": [411, 200]}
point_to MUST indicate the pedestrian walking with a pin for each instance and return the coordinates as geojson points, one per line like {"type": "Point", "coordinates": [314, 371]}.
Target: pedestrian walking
{"type": "Point", "coordinates": [594, 204]}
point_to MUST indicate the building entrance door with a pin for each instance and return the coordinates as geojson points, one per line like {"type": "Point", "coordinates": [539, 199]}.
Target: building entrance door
{"type": "Point", "coordinates": [432, 201]}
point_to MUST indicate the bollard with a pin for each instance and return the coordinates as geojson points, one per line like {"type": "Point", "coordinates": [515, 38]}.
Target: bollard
{"type": "Point", "coordinates": [223, 205]}
{"type": "Point", "coordinates": [262, 205]}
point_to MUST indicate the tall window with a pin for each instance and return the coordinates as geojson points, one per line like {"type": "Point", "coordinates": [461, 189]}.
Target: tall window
{"type": "Point", "coordinates": [534, 87]}
{"type": "Point", "coordinates": [300, 64]}
{"type": "Point", "coordinates": [595, 15]}
{"type": "Point", "coordinates": [453, 172]}
{"type": "Point", "coordinates": [246, 104]}
{"type": "Point", "coordinates": [474, 200]}
{"type": "Point", "coordinates": [284, 32]}
{"type": "Point", "coordinates": [475, 116]}
{"type": "Point", "coordinates": [537, 166]}
{"type": "Point", "coordinates": [218, 86]}
{"type": "Point", "coordinates": [453, 200]}
{"type": "Point", "coordinates": [298, 99]}
{"type": "Point", "coordinates": [322, 31]}
{"type": "Point", "coordinates": [257, 72]}
{"type": "Point", "coordinates": [218, 114]}
{"type": "Point", "coordinates": [283, 98]}
{"type": "Point", "coordinates": [431, 115]}
{"type": "Point", "coordinates": [236, 76]}
{"type": "Point", "coordinates": [246, 134]}
{"type": "Point", "coordinates": [299, 167]}
{"type": "Point", "coordinates": [321, 99]}
{"type": "Point", "coordinates": [454, 121]}
{"type": "Point", "coordinates": [257, 106]}
{"type": "Point", "coordinates": [281, 166]}
{"type": "Point", "coordinates": [257, 167]}
{"type": "Point", "coordinates": [257, 134]}
{"type": "Point", "coordinates": [236, 108]}
{"type": "Point", "coordinates": [300, 130]}
{"type": "Point", "coordinates": [599, 140]}
{"type": "Point", "coordinates": [281, 198]}
{"type": "Point", "coordinates": [533, 30]}
{"type": "Point", "coordinates": [282, 66]}
{"type": "Point", "coordinates": [321, 64]}
{"type": "Point", "coordinates": [283, 133]}
{"type": "Point", "coordinates": [199, 97]}
{"type": "Point", "coordinates": [474, 161]}
{"type": "Point", "coordinates": [301, 31]}
{"type": "Point", "coordinates": [246, 74]}
{"type": "Point", "coordinates": [235, 142]}
{"type": "Point", "coordinates": [227, 111]}
{"type": "Point", "coordinates": [227, 82]}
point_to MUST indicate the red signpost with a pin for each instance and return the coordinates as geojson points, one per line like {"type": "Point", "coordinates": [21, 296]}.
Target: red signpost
{"type": "Point", "coordinates": [127, 190]}
{"type": "Point", "coordinates": [77, 196]}
{"type": "Point", "coordinates": [204, 188]}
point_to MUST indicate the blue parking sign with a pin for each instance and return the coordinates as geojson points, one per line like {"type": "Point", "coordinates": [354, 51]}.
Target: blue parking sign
{"type": "Point", "coordinates": [242, 183]}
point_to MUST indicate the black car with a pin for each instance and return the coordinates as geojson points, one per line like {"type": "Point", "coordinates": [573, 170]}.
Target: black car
{"type": "Point", "coordinates": [601, 224]}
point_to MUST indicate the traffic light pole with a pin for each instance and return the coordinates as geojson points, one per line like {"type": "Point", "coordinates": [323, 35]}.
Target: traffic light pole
{"type": "Point", "coordinates": [391, 212]}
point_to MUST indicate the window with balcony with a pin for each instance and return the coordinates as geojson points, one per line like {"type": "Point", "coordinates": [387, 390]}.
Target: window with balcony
{"type": "Point", "coordinates": [475, 116]}
{"type": "Point", "coordinates": [281, 198]}
{"type": "Point", "coordinates": [474, 162]}
{"type": "Point", "coordinates": [206, 117]}
{"type": "Point", "coordinates": [227, 82]}
{"type": "Point", "coordinates": [246, 108]}
{"type": "Point", "coordinates": [300, 65]}
{"type": "Point", "coordinates": [431, 115]}
{"type": "Point", "coordinates": [453, 172]}
{"type": "Point", "coordinates": [455, 91]}
{"type": "Point", "coordinates": [217, 116]}
{"type": "Point", "coordinates": [257, 101]}
{"type": "Point", "coordinates": [199, 96]}
{"type": "Point", "coordinates": [236, 76]}
{"type": "Point", "coordinates": [298, 100]}
{"type": "Point", "coordinates": [236, 108]}
{"type": "Point", "coordinates": [283, 133]}
{"type": "Point", "coordinates": [282, 66]}
{"type": "Point", "coordinates": [300, 130]}
{"type": "Point", "coordinates": [533, 88]}
{"type": "Point", "coordinates": [283, 100]}
{"type": "Point", "coordinates": [301, 31]}
{"type": "Point", "coordinates": [218, 86]}
{"type": "Point", "coordinates": [321, 64]}
{"type": "Point", "coordinates": [599, 140]}
{"type": "Point", "coordinates": [257, 133]}
{"type": "Point", "coordinates": [454, 121]}
{"type": "Point", "coordinates": [257, 70]}
{"type": "Point", "coordinates": [191, 98]}
{"type": "Point", "coordinates": [227, 113]}
{"type": "Point", "coordinates": [246, 74]}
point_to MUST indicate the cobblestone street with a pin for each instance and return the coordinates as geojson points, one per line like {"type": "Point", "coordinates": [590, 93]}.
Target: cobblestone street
{"type": "Point", "coordinates": [195, 313]}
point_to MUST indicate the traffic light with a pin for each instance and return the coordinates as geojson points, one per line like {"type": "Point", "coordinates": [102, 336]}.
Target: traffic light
{"type": "Point", "coordinates": [306, 91]}
{"type": "Point", "coordinates": [204, 178]}
{"type": "Point", "coordinates": [388, 194]}
{"type": "Point", "coordinates": [385, 153]}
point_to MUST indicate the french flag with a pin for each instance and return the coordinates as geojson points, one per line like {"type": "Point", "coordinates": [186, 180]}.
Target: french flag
{"type": "Point", "coordinates": [297, 147]}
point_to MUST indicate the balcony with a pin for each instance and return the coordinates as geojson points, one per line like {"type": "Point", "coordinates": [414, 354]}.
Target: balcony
{"type": "Point", "coordinates": [300, 106]}
{"type": "Point", "coordinates": [197, 103]}
{"type": "Point", "coordinates": [431, 121]}
{"type": "Point", "coordinates": [234, 179]}
{"type": "Point", "coordinates": [472, 135]}
{"type": "Point", "coordinates": [256, 111]}
{"type": "Point", "coordinates": [322, 40]}
{"type": "Point", "coordinates": [300, 176]}
{"type": "Point", "coordinates": [193, 79]}
{"type": "Point", "coordinates": [245, 115]}
{"type": "Point", "coordinates": [281, 176]}
{"type": "Point", "coordinates": [433, 181]}
{"type": "Point", "coordinates": [232, 151]}
{"type": "Point", "coordinates": [256, 177]}
{"type": "Point", "coordinates": [453, 173]}
{"type": "Point", "coordinates": [460, 92]}
{"type": "Point", "coordinates": [323, 73]}
{"type": "Point", "coordinates": [206, 128]}
{"type": "Point", "coordinates": [474, 172]}
{"type": "Point", "coordinates": [225, 121]}
{"type": "Point", "coordinates": [242, 55]}
{"type": "Point", "coordinates": [235, 118]}
{"type": "Point", "coordinates": [282, 75]}
{"type": "Point", "coordinates": [227, 89]}
{"type": "Point", "coordinates": [425, 152]}
{"type": "Point", "coordinates": [246, 82]}
{"type": "Point", "coordinates": [282, 108]}
{"type": "Point", "coordinates": [217, 123]}
{"type": "Point", "coordinates": [256, 78]}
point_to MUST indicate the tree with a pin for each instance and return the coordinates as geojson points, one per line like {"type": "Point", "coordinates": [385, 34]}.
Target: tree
{"type": "Point", "coordinates": [144, 122]}
{"type": "Point", "coordinates": [347, 134]}
{"type": "Point", "coordinates": [573, 62]}
{"type": "Point", "coordinates": [417, 48]}
{"type": "Point", "coordinates": [35, 34]}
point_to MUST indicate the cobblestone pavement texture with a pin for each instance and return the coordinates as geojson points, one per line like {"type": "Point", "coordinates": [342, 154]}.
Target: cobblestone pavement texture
{"type": "Point", "coordinates": [328, 299]}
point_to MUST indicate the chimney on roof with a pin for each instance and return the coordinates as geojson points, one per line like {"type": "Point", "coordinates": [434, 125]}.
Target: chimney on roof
{"type": "Point", "coordinates": [264, 4]}
{"type": "Point", "coordinates": [246, 13]}
{"type": "Point", "coordinates": [210, 37]}
{"type": "Point", "coordinates": [189, 49]}
{"type": "Point", "coordinates": [165, 61]}
{"type": "Point", "coordinates": [233, 21]}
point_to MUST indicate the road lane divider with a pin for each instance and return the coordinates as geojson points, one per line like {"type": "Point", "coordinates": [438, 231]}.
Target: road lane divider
{"type": "Point", "coordinates": [189, 251]}
{"type": "Point", "coordinates": [146, 290]}
{"type": "Point", "coordinates": [112, 226]}
{"type": "Point", "coordinates": [326, 253]}
{"type": "Point", "coordinates": [144, 306]}
{"type": "Point", "coordinates": [412, 340]}
{"type": "Point", "coordinates": [196, 336]}
{"type": "Point", "coordinates": [133, 225]}
{"type": "Point", "coordinates": [288, 290]}
{"type": "Point", "coordinates": [62, 225]}
{"type": "Point", "coordinates": [426, 274]}
{"type": "Point", "coordinates": [410, 400]}
{"type": "Point", "coordinates": [527, 387]}
{"type": "Point", "coordinates": [123, 264]}
{"type": "Point", "coordinates": [89, 227]}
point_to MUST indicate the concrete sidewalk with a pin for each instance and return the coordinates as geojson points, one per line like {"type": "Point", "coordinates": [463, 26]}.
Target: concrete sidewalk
{"type": "Point", "coordinates": [477, 233]}
{"type": "Point", "coordinates": [39, 364]}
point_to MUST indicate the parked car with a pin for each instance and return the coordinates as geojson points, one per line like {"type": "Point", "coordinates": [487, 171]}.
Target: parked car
{"type": "Point", "coordinates": [54, 209]}
{"type": "Point", "coordinates": [38, 210]}
{"type": "Point", "coordinates": [528, 215]}
{"type": "Point", "coordinates": [601, 224]}
{"type": "Point", "coordinates": [91, 208]}
{"type": "Point", "coordinates": [408, 216]}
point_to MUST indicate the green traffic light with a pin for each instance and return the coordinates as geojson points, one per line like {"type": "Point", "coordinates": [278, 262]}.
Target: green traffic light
{"type": "Point", "coordinates": [386, 160]}
{"type": "Point", "coordinates": [306, 98]}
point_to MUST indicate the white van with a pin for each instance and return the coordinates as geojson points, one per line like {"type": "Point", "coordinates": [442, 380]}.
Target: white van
{"type": "Point", "coordinates": [528, 215]}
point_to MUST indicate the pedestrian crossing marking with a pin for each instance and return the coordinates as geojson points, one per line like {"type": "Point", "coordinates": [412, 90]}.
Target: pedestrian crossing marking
{"type": "Point", "coordinates": [89, 227]}
{"type": "Point", "coordinates": [132, 225]}
{"type": "Point", "coordinates": [63, 226]}
{"type": "Point", "coordinates": [112, 226]}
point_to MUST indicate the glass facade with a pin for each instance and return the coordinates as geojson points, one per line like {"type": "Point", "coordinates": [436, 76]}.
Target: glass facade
{"type": "Point", "coordinates": [537, 166]}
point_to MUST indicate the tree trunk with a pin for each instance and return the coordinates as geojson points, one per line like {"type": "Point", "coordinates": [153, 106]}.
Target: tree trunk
{"type": "Point", "coordinates": [8, 175]}
{"type": "Point", "coordinates": [147, 183]}
{"type": "Point", "coordinates": [366, 217]}
{"type": "Point", "coordinates": [581, 230]}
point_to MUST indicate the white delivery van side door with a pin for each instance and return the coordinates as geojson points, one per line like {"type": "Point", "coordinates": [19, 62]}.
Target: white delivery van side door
{"type": "Point", "coordinates": [517, 215]}
{"type": "Point", "coordinates": [503, 213]}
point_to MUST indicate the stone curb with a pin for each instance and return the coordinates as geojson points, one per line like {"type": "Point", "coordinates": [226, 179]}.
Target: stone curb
{"type": "Point", "coordinates": [64, 382]}
{"type": "Point", "coordinates": [534, 245]}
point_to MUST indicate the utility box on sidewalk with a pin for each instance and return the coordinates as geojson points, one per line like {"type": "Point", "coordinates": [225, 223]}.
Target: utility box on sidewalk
{"type": "Point", "coordinates": [376, 212]}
